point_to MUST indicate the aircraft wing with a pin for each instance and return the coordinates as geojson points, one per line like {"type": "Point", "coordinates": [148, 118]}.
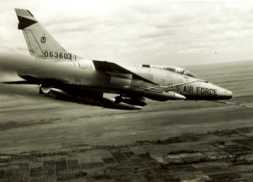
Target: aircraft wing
{"type": "Point", "coordinates": [113, 68]}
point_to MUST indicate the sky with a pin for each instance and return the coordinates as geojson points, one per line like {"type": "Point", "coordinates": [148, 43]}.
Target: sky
{"type": "Point", "coordinates": [159, 32]}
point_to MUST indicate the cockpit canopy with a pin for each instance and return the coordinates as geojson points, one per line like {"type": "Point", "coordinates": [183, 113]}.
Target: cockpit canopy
{"type": "Point", "coordinates": [175, 69]}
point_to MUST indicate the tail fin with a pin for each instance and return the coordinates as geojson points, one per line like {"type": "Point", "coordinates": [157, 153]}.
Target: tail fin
{"type": "Point", "coordinates": [39, 42]}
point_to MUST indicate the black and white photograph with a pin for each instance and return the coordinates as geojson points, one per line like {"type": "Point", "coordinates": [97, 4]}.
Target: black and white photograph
{"type": "Point", "coordinates": [126, 91]}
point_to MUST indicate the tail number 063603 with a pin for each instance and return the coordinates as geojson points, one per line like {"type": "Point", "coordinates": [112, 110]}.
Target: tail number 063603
{"type": "Point", "coordinates": [58, 55]}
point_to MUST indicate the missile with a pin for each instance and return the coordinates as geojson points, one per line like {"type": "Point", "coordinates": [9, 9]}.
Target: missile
{"type": "Point", "coordinates": [163, 96]}
{"type": "Point", "coordinates": [174, 95]}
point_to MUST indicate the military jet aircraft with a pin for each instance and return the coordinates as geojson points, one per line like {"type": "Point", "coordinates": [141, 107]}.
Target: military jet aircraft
{"type": "Point", "coordinates": [55, 69]}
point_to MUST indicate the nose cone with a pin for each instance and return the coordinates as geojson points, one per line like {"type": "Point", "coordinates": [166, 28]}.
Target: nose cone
{"type": "Point", "coordinates": [224, 93]}
{"type": "Point", "coordinates": [211, 91]}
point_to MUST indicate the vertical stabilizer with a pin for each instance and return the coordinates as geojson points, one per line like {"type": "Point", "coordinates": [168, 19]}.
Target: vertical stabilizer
{"type": "Point", "coordinates": [39, 42]}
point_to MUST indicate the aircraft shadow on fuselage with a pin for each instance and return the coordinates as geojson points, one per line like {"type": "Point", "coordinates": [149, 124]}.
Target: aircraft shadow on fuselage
{"type": "Point", "coordinates": [32, 92]}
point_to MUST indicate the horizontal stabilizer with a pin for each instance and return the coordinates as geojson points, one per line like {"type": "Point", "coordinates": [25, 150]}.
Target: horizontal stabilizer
{"type": "Point", "coordinates": [25, 82]}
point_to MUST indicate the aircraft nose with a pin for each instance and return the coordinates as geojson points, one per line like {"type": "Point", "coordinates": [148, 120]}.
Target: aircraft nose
{"type": "Point", "coordinates": [224, 93]}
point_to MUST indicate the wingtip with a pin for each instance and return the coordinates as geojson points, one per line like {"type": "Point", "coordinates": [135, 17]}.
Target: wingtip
{"type": "Point", "coordinates": [23, 12]}
{"type": "Point", "coordinates": [25, 18]}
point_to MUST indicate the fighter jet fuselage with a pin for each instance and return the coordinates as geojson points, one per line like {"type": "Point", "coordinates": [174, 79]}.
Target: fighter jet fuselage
{"type": "Point", "coordinates": [52, 67]}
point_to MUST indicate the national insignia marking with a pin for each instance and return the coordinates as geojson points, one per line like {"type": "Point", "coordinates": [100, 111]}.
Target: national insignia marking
{"type": "Point", "coordinates": [43, 39]}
